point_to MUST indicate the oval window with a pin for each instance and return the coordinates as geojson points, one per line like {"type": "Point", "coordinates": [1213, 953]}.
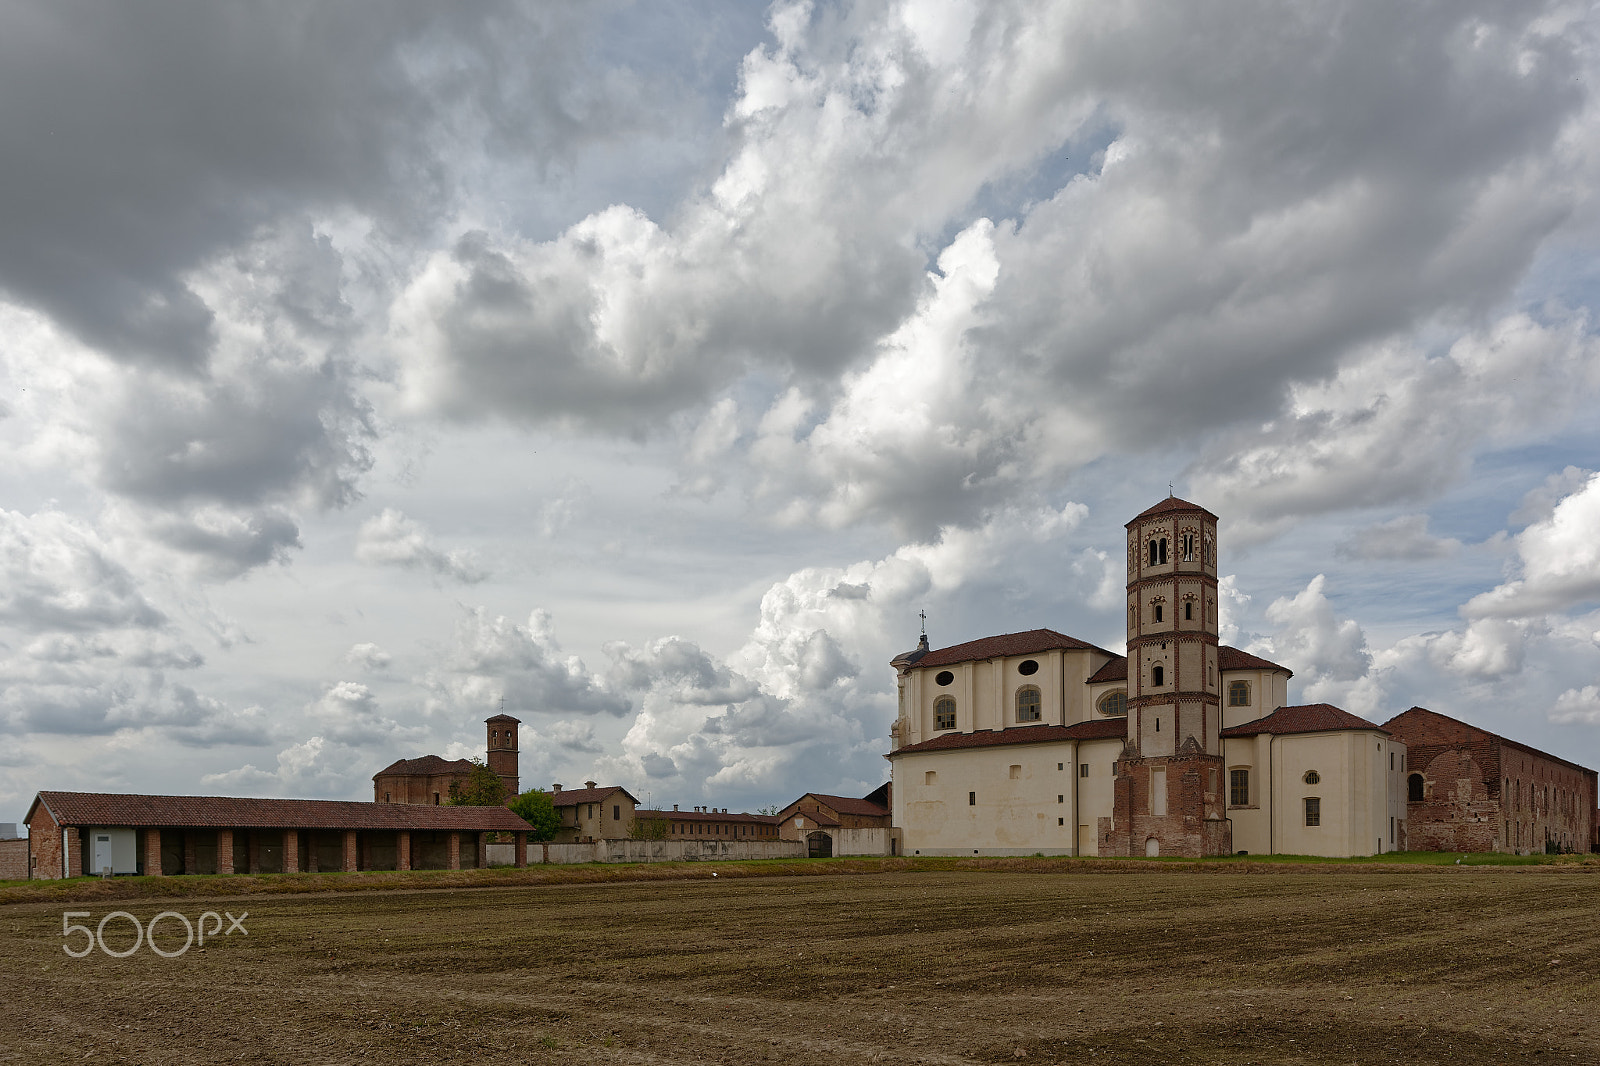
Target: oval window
{"type": "Point", "coordinates": [1312, 777]}
{"type": "Point", "coordinates": [1027, 667]}
{"type": "Point", "coordinates": [943, 677]}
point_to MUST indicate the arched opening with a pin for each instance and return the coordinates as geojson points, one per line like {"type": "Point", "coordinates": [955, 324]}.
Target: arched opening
{"type": "Point", "coordinates": [1030, 707]}
{"type": "Point", "coordinates": [944, 713]}
{"type": "Point", "coordinates": [1158, 676]}
{"type": "Point", "coordinates": [1152, 847]}
{"type": "Point", "coordinates": [1414, 785]}
{"type": "Point", "coordinates": [819, 845]}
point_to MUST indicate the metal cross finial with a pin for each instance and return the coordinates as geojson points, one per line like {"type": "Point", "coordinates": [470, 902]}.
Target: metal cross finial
{"type": "Point", "coordinates": [502, 703]}
{"type": "Point", "coordinates": [1169, 488]}
{"type": "Point", "coordinates": [924, 616]}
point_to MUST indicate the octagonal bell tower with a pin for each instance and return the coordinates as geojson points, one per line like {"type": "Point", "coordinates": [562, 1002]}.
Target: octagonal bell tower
{"type": "Point", "coordinates": [1168, 798]}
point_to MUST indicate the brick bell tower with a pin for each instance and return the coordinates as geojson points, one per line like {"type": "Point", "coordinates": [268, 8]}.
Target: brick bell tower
{"type": "Point", "coordinates": [502, 749]}
{"type": "Point", "coordinates": [1168, 788]}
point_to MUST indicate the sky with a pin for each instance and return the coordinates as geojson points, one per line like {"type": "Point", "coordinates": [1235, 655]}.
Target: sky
{"type": "Point", "coordinates": [652, 367]}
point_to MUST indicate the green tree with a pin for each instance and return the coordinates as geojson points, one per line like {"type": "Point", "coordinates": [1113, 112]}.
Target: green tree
{"type": "Point", "coordinates": [768, 811]}
{"type": "Point", "coordinates": [649, 829]}
{"type": "Point", "coordinates": [536, 808]}
{"type": "Point", "coordinates": [481, 788]}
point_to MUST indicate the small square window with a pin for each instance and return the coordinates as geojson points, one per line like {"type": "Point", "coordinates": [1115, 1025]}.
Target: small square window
{"type": "Point", "coordinates": [1083, 769]}
{"type": "Point", "coordinates": [1061, 821]}
{"type": "Point", "coordinates": [1061, 799]}
{"type": "Point", "coordinates": [1061, 766]}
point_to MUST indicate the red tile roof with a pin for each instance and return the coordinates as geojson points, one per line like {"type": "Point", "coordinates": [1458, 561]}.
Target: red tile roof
{"type": "Point", "coordinates": [1115, 670]}
{"type": "Point", "coordinates": [223, 812]}
{"type": "Point", "coordinates": [822, 818]}
{"type": "Point", "coordinates": [1234, 659]}
{"type": "Point", "coordinates": [1307, 718]}
{"type": "Point", "coordinates": [707, 816]}
{"type": "Point", "coordinates": [427, 765]}
{"type": "Point", "coordinates": [1468, 728]}
{"type": "Point", "coordinates": [1227, 659]}
{"type": "Point", "coordinates": [1169, 505]}
{"type": "Point", "coordinates": [569, 797]}
{"type": "Point", "coordinates": [503, 718]}
{"type": "Point", "coordinates": [1099, 729]}
{"type": "Point", "coordinates": [1026, 643]}
{"type": "Point", "coordinates": [848, 805]}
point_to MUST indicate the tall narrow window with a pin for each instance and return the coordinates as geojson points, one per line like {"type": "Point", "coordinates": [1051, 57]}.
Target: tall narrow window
{"type": "Point", "coordinates": [972, 799]}
{"type": "Point", "coordinates": [1414, 785]}
{"type": "Point", "coordinates": [1239, 694]}
{"type": "Point", "coordinates": [1158, 612]}
{"type": "Point", "coordinates": [1029, 705]}
{"type": "Point", "coordinates": [1239, 788]}
{"type": "Point", "coordinates": [1188, 610]}
{"type": "Point", "coordinates": [1163, 549]}
{"type": "Point", "coordinates": [944, 713]}
{"type": "Point", "coordinates": [1152, 553]}
{"type": "Point", "coordinates": [1313, 810]}
{"type": "Point", "coordinates": [1188, 547]}
{"type": "Point", "coordinates": [1158, 676]}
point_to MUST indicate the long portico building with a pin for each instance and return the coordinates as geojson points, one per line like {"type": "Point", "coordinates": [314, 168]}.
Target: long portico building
{"type": "Point", "coordinates": [76, 833]}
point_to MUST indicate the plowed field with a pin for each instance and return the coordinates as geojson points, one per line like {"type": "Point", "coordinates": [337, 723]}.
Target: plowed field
{"type": "Point", "coordinates": [1454, 965]}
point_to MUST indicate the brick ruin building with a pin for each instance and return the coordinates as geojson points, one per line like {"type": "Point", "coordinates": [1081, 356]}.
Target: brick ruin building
{"type": "Point", "coordinates": [427, 780]}
{"type": "Point", "coordinates": [1470, 790]}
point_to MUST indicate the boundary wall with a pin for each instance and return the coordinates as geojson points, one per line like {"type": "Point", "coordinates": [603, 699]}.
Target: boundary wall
{"type": "Point", "coordinates": [651, 851]}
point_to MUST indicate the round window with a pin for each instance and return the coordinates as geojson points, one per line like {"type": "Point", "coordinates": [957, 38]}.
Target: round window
{"type": "Point", "coordinates": [943, 677]}
{"type": "Point", "coordinates": [1312, 777]}
{"type": "Point", "coordinates": [1028, 666]}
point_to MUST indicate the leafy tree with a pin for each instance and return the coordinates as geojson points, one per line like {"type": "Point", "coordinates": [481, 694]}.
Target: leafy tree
{"type": "Point", "coordinates": [770, 812]}
{"type": "Point", "coordinates": [537, 809]}
{"type": "Point", "coordinates": [650, 829]}
{"type": "Point", "coordinates": [481, 788]}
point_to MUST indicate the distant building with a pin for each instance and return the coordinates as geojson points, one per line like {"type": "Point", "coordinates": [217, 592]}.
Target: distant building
{"type": "Point", "coordinates": [710, 823]}
{"type": "Point", "coordinates": [593, 812]}
{"type": "Point", "coordinates": [76, 833]}
{"type": "Point", "coordinates": [831, 825]}
{"type": "Point", "coordinates": [1470, 790]}
{"type": "Point", "coordinates": [427, 780]}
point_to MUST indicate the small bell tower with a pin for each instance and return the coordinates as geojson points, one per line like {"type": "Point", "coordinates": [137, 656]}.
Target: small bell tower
{"type": "Point", "coordinates": [502, 749]}
{"type": "Point", "coordinates": [1168, 798]}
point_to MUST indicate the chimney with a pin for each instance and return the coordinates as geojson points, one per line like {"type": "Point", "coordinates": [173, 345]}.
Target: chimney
{"type": "Point", "coordinates": [588, 784]}
{"type": "Point", "coordinates": [674, 806]}
{"type": "Point", "coordinates": [558, 788]}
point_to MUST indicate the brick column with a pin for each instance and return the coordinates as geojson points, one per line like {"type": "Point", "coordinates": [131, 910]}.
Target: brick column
{"type": "Point", "coordinates": [75, 853]}
{"type": "Point", "coordinates": [224, 851]}
{"type": "Point", "coordinates": [402, 850]}
{"type": "Point", "coordinates": [453, 851]}
{"type": "Point", "coordinates": [291, 851]}
{"type": "Point", "coordinates": [188, 851]}
{"type": "Point", "coordinates": [483, 850]}
{"type": "Point", "coordinates": [152, 853]}
{"type": "Point", "coordinates": [522, 849]}
{"type": "Point", "coordinates": [351, 852]}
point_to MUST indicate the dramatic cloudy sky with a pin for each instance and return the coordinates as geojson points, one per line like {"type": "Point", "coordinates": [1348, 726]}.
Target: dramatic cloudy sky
{"type": "Point", "coordinates": [651, 366]}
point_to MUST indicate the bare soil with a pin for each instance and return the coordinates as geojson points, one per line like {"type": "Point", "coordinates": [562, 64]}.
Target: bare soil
{"type": "Point", "coordinates": [1451, 965]}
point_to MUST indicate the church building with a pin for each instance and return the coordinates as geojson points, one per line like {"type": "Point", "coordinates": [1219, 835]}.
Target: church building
{"type": "Point", "coordinates": [1038, 742]}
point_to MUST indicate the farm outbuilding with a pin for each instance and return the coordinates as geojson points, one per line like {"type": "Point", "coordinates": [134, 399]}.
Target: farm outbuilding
{"type": "Point", "coordinates": [74, 833]}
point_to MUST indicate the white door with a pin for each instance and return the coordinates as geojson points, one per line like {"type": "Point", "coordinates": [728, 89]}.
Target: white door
{"type": "Point", "coordinates": [102, 853]}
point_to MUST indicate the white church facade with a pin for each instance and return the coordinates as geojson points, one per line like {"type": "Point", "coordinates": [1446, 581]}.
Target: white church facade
{"type": "Point", "coordinates": [1037, 742]}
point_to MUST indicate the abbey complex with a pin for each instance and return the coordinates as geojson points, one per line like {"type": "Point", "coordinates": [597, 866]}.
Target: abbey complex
{"type": "Point", "coordinates": [1036, 742]}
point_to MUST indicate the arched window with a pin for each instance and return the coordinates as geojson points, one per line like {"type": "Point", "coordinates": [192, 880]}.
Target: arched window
{"type": "Point", "coordinates": [1114, 704]}
{"type": "Point", "coordinates": [1188, 547]}
{"type": "Point", "coordinates": [1158, 612]}
{"type": "Point", "coordinates": [1239, 694]}
{"type": "Point", "coordinates": [1163, 543]}
{"type": "Point", "coordinates": [944, 713]}
{"type": "Point", "coordinates": [1414, 788]}
{"type": "Point", "coordinates": [1158, 676]}
{"type": "Point", "coordinates": [1029, 706]}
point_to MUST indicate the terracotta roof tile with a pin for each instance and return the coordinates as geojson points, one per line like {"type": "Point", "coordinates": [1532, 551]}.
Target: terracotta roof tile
{"type": "Point", "coordinates": [1307, 718]}
{"type": "Point", "coordinates": [427, 765]}
{"type": "Point", "coordinates": [849, 805]}
{"type": "Point", "coordinates": [1234, 659]}
{"type": "Point", "coordinates": [1098, 729]}
{"type": "Point", "coordinates": [707, 816]}
{"type": "Point", "coordinates": [569, 797]}
{"type": "Point", "coordinates": [1227, 659]}
{"type": "Point", "coordinates": [1169, 505]}
{"type": "Point", "coordinates": [822, 818]}
{"type": "Point", "coordinates": [1470, 728]}
{"type": "Point", "coordinates": [113, 809]}
{"type": "Point", "coordinates": [503, 718]}
{"type": "Point", "coordinates": [1026, 643]}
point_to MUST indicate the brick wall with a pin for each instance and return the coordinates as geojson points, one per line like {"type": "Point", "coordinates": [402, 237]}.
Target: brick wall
{"type": "Point", "coordinates": [1193, 826]}
{"type": "Point", "coordinates": [14, 860]}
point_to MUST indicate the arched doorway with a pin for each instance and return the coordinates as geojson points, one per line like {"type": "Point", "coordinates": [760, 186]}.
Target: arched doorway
{"type": "Point", "coordinates": [1152, 847]}
{"type": "Point", "coordinates": [819, 845]}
